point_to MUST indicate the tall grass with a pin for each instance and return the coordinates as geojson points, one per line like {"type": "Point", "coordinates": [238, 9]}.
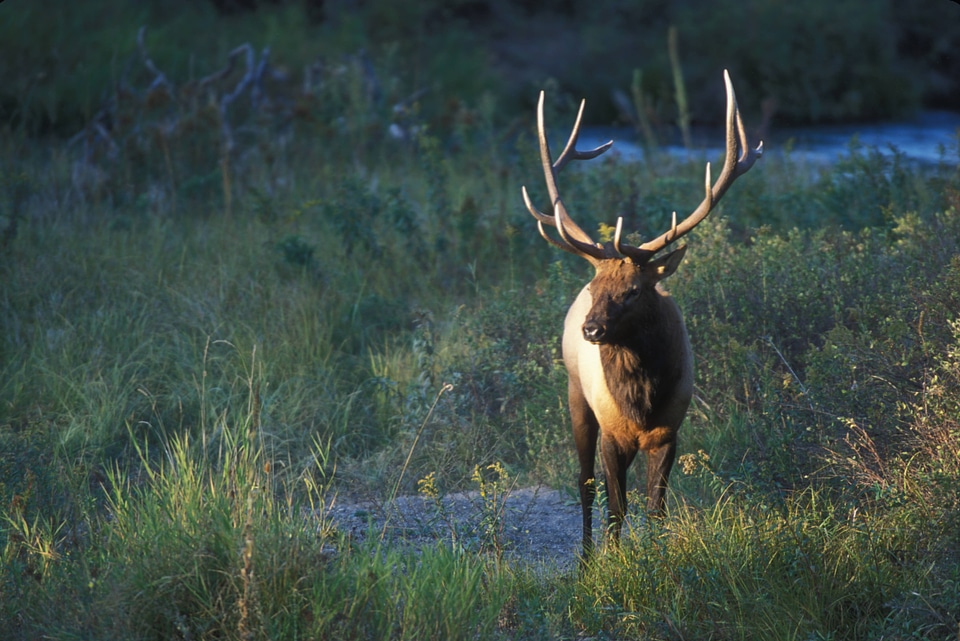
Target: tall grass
{"type": "Point", "coordinates": [792, 569]}
{"type": "Point", "coordinates": [206, 538]}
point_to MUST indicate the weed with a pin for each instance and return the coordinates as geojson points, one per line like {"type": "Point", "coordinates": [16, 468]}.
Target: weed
{"type": "Point", "coordinates": [494, 485]}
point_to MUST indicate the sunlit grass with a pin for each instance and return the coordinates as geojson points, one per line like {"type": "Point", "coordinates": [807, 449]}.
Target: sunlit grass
{"type": "Point", "coordinates": [797, 568]}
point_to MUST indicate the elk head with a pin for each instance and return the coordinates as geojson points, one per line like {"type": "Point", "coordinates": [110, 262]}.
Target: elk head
{"type": "Point", "coordinates": [625, 347]}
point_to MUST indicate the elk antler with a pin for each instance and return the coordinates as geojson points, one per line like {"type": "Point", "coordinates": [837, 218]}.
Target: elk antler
{"type": "Point", "coordinates": [572, 238]}
{"type": "Point", "coordinates": [739, 159]}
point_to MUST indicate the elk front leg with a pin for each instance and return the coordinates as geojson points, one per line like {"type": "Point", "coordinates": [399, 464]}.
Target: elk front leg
{"type": "Point", "coordinates": [615, 464]}
{"type": "Point", "coordinates": [585, 431]}
{"type": "Point", "coordinates": [659, 464]}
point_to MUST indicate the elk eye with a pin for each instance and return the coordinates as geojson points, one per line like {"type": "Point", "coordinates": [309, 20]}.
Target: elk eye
{"type": "Point", "coordinates": [632, 292]}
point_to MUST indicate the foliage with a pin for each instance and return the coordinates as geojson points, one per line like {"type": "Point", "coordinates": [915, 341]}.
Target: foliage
{"type": "Point", "coordinates": [822, 61]}
{"type": "Point", "coordinates": [204, 346]}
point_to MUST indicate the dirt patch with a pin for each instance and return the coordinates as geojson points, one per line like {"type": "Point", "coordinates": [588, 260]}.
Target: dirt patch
{"type": "Point", "coordinates": [534, 525]}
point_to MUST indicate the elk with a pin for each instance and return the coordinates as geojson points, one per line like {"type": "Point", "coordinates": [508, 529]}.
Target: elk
{"type": "Point", "coordinates": [625, 346]}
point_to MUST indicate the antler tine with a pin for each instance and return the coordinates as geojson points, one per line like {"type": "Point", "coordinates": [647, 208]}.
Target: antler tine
{"type": "Point", "coordinates": [561, 220]}
{"type": "Point", "coordinates": [636, 254]}
{"type": "Point", "coordinates": [570, 152]}
{"type": "Point", "coordinates": [539, 215]}
{"type": "Point", "coordinates": [616, 235]}
{"type": "Point", "coordinates": [159, 78]}
{"type": "Point", "coordinates": [557, 244]}
{"type": "Point", "coordinates": [739, 158]}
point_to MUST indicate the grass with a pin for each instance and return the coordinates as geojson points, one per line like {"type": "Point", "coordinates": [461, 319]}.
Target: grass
{"type": "Point", "coordinates": [153, 370]}
{"type": "Point", "coordinates": [793, 570]}
{"type": "Point", "coordinates": [183, 389]}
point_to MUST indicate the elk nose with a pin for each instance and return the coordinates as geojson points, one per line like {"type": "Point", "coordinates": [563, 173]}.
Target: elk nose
{"type": "Point", "coordinates": [593, 331]}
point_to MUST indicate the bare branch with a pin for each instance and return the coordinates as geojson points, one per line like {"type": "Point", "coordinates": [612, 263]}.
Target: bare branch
{"type": "Point", "coordinates": [228, 99]}
{"type": "Point", "coordinates": [159, 79]}
{"type": "Point", "coordinates": [256, 92]}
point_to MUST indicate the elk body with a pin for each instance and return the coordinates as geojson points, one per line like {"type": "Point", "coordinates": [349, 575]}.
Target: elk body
{"type": "Point", "coordinates": [625, 347]}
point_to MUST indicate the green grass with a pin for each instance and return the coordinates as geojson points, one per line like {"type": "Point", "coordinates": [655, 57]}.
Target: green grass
{"type": "Point", "coordinates": [185, 385]}
{"type": "Point", "coordinates": [793, 569]}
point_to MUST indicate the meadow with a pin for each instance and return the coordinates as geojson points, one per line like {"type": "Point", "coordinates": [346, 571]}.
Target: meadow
{"type": "Point", "coordinates": [220, 313]}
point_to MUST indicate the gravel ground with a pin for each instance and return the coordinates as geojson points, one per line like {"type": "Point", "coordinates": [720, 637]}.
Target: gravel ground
{"type": "Point", "coordinates": [535, 525]}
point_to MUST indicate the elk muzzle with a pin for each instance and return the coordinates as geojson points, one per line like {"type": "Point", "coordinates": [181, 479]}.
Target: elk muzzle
{"type": "Point", "coordinates": [594, 331]}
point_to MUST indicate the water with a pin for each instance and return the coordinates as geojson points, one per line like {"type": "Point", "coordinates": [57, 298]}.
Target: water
{"type": "Point", "coordinates": [929, 138]}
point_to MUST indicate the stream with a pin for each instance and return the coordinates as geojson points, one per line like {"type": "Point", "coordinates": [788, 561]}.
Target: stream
{"type": "Point", "coordinates": [929, 138]}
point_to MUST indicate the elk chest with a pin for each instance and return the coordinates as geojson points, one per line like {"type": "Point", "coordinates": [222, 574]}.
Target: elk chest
{"type": "Point", "coordinates": [637, 404]}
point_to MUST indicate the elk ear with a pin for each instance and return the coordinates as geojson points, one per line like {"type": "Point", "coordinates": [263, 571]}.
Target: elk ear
{"type": "Point", "coordinates": [666, 265]}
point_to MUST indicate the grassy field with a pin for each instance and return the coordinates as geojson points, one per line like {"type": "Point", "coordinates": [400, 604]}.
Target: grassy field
{"type": "Point", "coordinates": [202, 343]}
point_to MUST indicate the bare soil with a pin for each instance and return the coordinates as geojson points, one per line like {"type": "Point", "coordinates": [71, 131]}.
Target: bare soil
{"type": "Point", "coordinates": [535, 525]}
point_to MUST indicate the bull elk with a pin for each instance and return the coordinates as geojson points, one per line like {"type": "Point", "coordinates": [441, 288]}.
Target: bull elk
{"type": "Point", "coordinates": [625, 346]}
